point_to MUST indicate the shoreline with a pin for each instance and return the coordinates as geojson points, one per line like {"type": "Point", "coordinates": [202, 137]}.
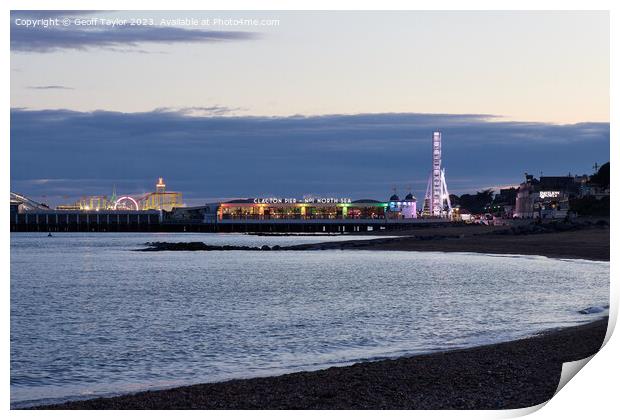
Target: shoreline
{"type": "Point", "coordinates": [585, 241]}
{"type": "Point", "coordinates": [513, 374]}
{"type": "Point", "coordinates": [590, 242]}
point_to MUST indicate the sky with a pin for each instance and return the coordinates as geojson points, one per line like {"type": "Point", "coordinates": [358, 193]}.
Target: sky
{"type": "Point", "coordinates": [327, 103]}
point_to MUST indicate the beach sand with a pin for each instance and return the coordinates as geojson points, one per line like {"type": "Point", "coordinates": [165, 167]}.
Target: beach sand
{"type": "Point", "coordinates": [588, 243]}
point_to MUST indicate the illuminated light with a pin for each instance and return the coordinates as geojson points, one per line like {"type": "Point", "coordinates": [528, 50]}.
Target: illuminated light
{"type": "Point", "coordinates": [549, 194]}
{"type": "Point", "coordinates": [290, 200]}
{"type": "Point", "coordinates": [437, 196]}
{"type": "Point", "coordinates": [126, 198]}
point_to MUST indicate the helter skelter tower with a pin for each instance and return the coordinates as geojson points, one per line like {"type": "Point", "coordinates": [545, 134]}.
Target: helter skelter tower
{"type": "Point", "coordinates": [437, 199]}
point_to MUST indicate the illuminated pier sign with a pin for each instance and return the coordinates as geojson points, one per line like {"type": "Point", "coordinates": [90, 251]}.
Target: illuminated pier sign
{"type": "Point", "coordinates": [549, 194]}
{"type": "Point", "coordinates": [313, 200]}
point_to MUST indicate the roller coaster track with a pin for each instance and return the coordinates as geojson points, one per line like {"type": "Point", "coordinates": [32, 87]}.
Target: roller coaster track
{"type": "Point", "coordinates": [29, 205]}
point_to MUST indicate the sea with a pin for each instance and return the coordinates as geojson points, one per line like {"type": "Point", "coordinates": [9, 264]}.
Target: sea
{"type": "Point", "coordinates": [91, 316]}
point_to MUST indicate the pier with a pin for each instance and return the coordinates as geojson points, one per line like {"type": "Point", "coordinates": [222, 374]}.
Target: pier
{"type": "Point", "coordinates": [85, 221]}
{"type": "Point", "coordinates": [157, 221]}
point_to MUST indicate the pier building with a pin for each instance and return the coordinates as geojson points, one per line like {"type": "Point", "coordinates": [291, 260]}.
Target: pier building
{"type": "Point", "coordinates": [274, 208]}
{"type": "Point", "coordinates": [161, 199]}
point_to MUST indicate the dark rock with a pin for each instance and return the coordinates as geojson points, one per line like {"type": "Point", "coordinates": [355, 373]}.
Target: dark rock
{"type": "Point", "coordinates": [593, 310]}
{"type": "Point", "coordinates": [193, 246]}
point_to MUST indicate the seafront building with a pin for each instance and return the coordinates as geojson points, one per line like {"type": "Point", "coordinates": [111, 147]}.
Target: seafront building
{"type": "Point", "coordinates": [548, 197]}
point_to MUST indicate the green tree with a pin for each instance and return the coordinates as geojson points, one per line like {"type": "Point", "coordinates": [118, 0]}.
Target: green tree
{"type": "Point", "coordinates": [477, 203]}
{"type": "Point", "coordinates": [601, 177]}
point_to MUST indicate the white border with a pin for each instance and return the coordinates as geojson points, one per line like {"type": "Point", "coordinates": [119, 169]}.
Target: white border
{"type": "Point", "coordinates": [591, 395]}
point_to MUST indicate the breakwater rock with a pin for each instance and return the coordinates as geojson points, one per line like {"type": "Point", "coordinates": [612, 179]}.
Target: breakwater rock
{"type": "Point", "coordinates": [320, 246]}
{"type": "Point", "coordinates": [199, 246]}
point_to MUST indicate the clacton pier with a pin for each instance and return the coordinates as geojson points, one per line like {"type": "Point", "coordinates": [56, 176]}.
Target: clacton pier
{"type": "Point", "coordinates": [163, 210]}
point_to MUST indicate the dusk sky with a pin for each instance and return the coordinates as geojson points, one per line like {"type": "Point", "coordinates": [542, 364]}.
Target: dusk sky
{"type": "Point", "coordinates": [326, 103]}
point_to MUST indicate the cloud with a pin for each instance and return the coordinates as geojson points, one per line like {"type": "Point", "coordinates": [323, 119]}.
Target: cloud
{"type": "Point", "coordinates": [55, 38]}
{"type": "Point", "coordinates": [201, 111]}
{"type": "Point", "coordinates": [362, 156]}
{"type": "Point", "coordinates": [50, 87]}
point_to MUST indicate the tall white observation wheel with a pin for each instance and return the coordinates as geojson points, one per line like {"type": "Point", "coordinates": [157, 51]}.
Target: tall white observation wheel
{"type": "Point", "coordinates": [437, 199]}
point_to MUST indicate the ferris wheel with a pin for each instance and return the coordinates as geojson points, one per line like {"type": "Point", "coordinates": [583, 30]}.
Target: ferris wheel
{"type": "Point", "coordinates": [126, 203]}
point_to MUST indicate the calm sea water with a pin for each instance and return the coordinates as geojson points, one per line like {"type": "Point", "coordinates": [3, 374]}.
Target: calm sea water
{"type": "Point", "coordinates": [91, 317]}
